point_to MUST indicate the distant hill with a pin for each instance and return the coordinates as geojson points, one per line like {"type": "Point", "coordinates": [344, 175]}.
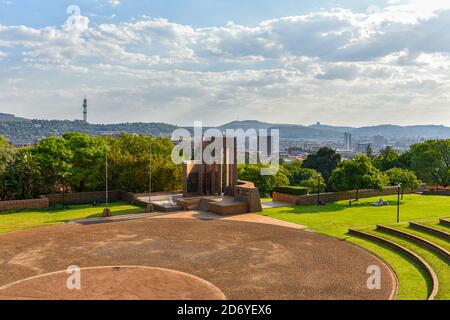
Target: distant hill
{"type": "Point", "coordinates": [10, 117]}
{"type": "Point", "coordinates": [22, 131]}
{"type": "Point", "coordinates": [332, 128]}
{"type": "Point", "coordinates": [430, 131]}
{"type": "Point", "coordinates": [30, 131]}
{"type": "Point", "coordinates": [287, 131]}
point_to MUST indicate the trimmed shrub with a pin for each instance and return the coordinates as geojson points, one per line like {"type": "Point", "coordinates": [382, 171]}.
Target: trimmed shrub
{"type": "Point", "coordinates": [292, 190]}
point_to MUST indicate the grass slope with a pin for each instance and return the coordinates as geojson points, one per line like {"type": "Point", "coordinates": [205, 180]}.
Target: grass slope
{"type": "Point", "coordinates": [336, 218]}
{"type": "Point", "coordinates": [441, 267]}
{"type": "Point", "coordinates": [21, 220]}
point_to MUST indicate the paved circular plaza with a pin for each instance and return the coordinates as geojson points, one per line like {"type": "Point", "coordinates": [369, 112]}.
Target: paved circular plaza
{"type": "Point", "coordinates": [186, 259]}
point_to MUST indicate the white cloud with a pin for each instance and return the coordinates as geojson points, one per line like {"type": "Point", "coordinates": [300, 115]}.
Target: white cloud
{"type": "Point", "coordinates": [341, 66]}
{"type": "Point", "coordinates": [114, 3]}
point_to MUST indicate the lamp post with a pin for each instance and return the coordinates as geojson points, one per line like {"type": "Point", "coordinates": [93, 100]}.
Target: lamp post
{"type": "Point", "coordinates": [318, 188]}
{"type": "Point", "coordinates": [149, 208]}
{"type": "Point", "coordinates": [398, 202]}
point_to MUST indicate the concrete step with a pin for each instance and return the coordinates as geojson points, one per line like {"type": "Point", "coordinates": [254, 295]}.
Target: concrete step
{"type": "Point", "coordinates": [204, 205]}
{"type": "Point", "coordinates": [431, 274]}
{"type": "Point", "coordinates": [445, 222]}
{"type": "Point", "coordinates": [442, 252]}
{"type": "Point", "coordinates": [430, 230]}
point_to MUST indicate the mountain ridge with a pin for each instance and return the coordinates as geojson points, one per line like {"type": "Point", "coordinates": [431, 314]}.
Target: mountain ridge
{"type": "Point", "coordinates": [25, 131]}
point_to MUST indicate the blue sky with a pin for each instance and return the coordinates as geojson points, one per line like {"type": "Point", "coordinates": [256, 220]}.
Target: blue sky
{"type": "Point", "coordinates": [38, 13]}
{"type": "Point", "coordinates": [339, 62]}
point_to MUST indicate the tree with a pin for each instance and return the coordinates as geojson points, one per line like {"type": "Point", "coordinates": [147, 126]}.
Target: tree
{"type": "Point", "coordinates": [369, 151]}
{"type": "Point", "coordinates": [6, 154]}
{"type": "Point", "coordinates": [431, 161]}
{"type": "Point", "coordinates": [387, 159]}
{"type": "Point", "coordinates": [265, 184]}
{"type": "Point", "coordinates": [22, 178]}
{"type": "Point", "coordinates": [55, 160]}
{"type": "Point", "coordinates": [304, 177]}
{"type": "Point", "coordinates": [325, 161]}
{"type": "Point", "coordinates": [406, 178]}
{"type": "Point", "coordinates": [87, 161]}
{"type": "Point", "coordinates": [358, 174]}
{"type": "Point", "coordinates": [129, 162]}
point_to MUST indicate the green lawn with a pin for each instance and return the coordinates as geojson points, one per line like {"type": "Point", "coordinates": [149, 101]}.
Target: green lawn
{"type": "Point", "coordinates": [27, 219]}
{"type": "Point", "coordinates": [434, 260]}
{"type": "Point", "coordinates": [336, 218]}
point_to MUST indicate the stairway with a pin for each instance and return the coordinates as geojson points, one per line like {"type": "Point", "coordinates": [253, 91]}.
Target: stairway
{"type": "Point", "coordinates": [204, 205]}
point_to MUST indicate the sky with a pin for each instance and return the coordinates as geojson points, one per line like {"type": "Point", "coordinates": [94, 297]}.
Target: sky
{"type": "Point", "coordinates": [348, 62]}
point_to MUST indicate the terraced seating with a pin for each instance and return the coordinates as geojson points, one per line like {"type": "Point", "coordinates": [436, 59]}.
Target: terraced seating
{"type": "Point", "coordinates": [418, 240]}
{"type": "Point", "coordinates": [445, 222]}
{"type": "Point", "coordinates": [436, 232]}
{"type": "Point", "coordinates": [427, 248]}
{"type": "Point", "coordinates": [431, 274]}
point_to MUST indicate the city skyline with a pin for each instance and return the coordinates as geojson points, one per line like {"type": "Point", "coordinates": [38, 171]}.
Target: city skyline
{"type": "Point", "coordinates": [347, 63]}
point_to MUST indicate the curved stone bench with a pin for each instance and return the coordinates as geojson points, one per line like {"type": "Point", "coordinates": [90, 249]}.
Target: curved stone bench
{"type": "Point", "coordinates": [445, 222]}
{"type": "Point", "coordinates": [418, 240]}
{"type": "Point", "coordinates": [418, 259]}
{"type": "Point", "coordinates": [436, 232]}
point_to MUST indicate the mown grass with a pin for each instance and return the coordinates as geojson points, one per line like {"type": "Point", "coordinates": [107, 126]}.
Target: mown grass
{"type": "Point", "coordinates": [27, 219]}
{"type": "Point", "coordinates": [335, 219]}
{"type": "Point", "coordinates": [424, 235]}
{"type": "Point", "coordinates": [412, 279]}
{"type": "Point", "coordinates": [441, 267]}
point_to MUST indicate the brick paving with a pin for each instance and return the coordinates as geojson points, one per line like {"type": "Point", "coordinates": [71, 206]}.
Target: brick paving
{"type": "Point", "coordinates": [244, 260]}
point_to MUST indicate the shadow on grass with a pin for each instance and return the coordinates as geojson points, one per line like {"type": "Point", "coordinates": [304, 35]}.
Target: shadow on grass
{"type": "Point", "coordinates": [97, 215]}
{"type": "Point", "coordinates": [332, 207]}
{"type": "Point", "coordinates": [416, 265]}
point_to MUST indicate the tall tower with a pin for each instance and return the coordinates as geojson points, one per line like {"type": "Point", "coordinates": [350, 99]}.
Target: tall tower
{"type": "Point", "coordinates": [348, 141]}
{"type": "Point", "coordinates": [85, 106]}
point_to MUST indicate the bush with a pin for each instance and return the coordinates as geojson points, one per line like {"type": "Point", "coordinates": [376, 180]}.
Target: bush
{"type": "Point", "coordinates": [295, 191]}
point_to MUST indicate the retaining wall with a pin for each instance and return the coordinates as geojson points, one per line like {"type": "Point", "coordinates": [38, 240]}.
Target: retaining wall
{"type": "Point", "coordinates": [437, 193]}
{"type": "Point", "coordinates": [24, 204]}
{"type": "Point", "coordinates": [333, 196]}
{"type": "Point", "coordinates": [76, 198]}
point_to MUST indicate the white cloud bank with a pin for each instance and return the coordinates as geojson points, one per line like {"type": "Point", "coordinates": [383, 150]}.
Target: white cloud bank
{"type": "Point", "coordinates": [387, 66]}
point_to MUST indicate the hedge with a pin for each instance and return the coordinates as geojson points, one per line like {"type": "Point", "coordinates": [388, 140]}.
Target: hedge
{"type": "Point", "coordinates": [292, 190]}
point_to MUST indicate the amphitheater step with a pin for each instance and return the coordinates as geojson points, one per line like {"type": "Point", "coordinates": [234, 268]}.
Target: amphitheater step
{"type": "Point", "coordinates": [445, 222]}
{"type": "Point", "coordinates": [204, 205]}
{"type": "Point", "coordinates": [418, 240]}
{"type": "Point", "coordinates": [405, 251]}
{"type": "Point", "coordinates": [436, 232]}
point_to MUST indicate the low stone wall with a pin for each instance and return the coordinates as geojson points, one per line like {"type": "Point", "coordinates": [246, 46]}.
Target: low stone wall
{"type": "Point", "coordinates": [437, 193]}
{"type": "Point", "coordinates": [90, 197]}
{"type": "Point", "coordinates": [83, 197]}
{"type": "Point", "coordinates": [332, 196]}
{"type": "Point", "coordinates": [234, 209]}
{"type": "Point", "coordinates": [248, 193]}
{"type": "Point", "coordinates": [24, 204]}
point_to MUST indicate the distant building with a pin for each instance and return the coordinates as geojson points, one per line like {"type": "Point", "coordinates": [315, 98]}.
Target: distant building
{"type": "Point", "coordinates": [110, 133]}
{"type": "Point", "coordinates": [348, 141]}
{"type": "Point", "coordinates": [379, 140]}
{"type": "Point", "coordinates": [363, 147]}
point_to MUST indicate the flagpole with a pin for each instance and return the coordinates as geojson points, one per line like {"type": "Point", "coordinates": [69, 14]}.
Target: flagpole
{"type": "Point", "coordinates": [106, 211]}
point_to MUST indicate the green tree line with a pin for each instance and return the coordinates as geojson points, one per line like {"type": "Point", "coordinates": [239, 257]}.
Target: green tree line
{"type": "Point", "coordinates": [75, 162]}
{"type": "Point", "coordinates": [427, 162]}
